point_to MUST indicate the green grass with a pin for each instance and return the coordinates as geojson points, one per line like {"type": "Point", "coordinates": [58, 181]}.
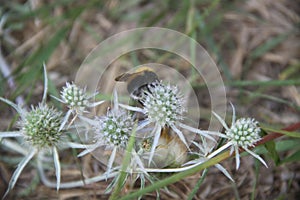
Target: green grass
{"type": "Point", "coordinates": [201, 20]}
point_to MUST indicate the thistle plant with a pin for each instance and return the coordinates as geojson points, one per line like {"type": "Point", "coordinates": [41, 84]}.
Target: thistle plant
{"type": "Point", "coordinates": [163, 105]}
{"type": "Point", "coordinates": [77, 100]}
{"type": "Point", "coordinates": [112, 130]}
{"type": "Point", "coordinates": [205, 152]}
{"type": "Point", "coordinates": [243, 133]}
{"type": "Point", "coordinates": [133, 171]}
{"type": "Point", "coordinates": [43, 128]}
{"type": "Point", "coordinates": [40, 130]}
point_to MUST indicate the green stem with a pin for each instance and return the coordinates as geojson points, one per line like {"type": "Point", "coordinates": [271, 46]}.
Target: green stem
{"type": "Point", "coordinates": [177, 177]}
{"type": "Point", "coordinates": [210, 162]}
{"type": "Point", "coordinates": [125, 163]}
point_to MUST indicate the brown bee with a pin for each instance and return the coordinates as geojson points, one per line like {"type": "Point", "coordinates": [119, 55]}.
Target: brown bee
{"type": "Point", "coordinates": [138, 81]}
{"type": "Point", "coordinates": [170, 149]}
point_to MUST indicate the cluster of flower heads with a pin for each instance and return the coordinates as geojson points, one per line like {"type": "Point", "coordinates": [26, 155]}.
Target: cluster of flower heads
{"type": "Point", "coordinates": [44, 127]}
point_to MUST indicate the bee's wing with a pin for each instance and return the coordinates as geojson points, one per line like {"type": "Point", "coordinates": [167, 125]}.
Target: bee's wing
{"type": "Point", "coordinates": [125, 77]}
{"type": "Point", "coordinates": [140, 71]}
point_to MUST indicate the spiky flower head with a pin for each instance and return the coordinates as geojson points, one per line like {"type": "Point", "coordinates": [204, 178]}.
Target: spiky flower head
{"type": "Point", "coordinates": [75, 97]}
{"type": "Point", "coordinates": [115, 128]}
{"type": "Point", "coordinates": [41, 125]}
{"type": "Point", "coordinates": [244, 132]}
{"type": "Point", "coordinates": [163, 103]}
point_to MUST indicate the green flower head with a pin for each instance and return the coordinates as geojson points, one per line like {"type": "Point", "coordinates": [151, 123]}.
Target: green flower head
{"type": "Point", "coordinates": [41, 125]}
{"type": "Point", "coordinates": [244, 132]}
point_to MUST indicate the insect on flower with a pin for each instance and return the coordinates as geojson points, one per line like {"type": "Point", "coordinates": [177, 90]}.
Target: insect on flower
{"type": "Point", "coordinates": [162, 105]}
{"type": "Point", "coordinates": [137, 85]}
{"type": "Point", "coordinates": [138, 81]}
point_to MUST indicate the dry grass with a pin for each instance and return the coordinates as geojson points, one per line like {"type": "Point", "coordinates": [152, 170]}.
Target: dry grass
{"type": "Point", "coordinates": [243, 34]}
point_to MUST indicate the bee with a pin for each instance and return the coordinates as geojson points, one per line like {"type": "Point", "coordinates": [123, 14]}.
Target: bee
{"type": "Point", "coordinates": [138, 81]}
{"type": "Point", "coordinates": [170, 149]}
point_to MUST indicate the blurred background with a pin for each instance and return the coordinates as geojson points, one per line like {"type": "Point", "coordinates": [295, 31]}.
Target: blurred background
{"type": "Point", "coordinates": [255, 44]}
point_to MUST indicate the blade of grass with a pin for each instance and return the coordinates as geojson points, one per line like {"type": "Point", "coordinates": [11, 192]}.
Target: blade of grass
{"type": "Point", "coordinates": [235, 191]}
{"type": "Point", "coordinates": [32, 186]}
{"type": "Point", "coordinates": [264, 83]}
{"type": "Point", "coordinates": [268, 45]}
{"type": "Point", "coordinates": [292, 70]}
{"type": "Point", "coordinates": [123, 172]}
{"type": "Point", "coordinates": [257, 166]}
{"type": "Point", "coordinates": [44, 12]}
{"type": "Point", "coordinates": [174, 178]}
{"type": "Point", "coordinates": [206, 30]}
{"type": "Point", "coordinates": [37, 59]}
{"type": "Point", "coordinates": [198, 184]}
{"type": "Point", "coordinates": [271, 148]}
{"type": "Point", "coordinates": [295, 157]}
{"type": "Point", "coordinates": [280, 146]}
{"type": "Point", "coordinates": [263, 48]}
{"type": "Point", "coordinates": [287, 133]}
{"type": "Point", "coordinates": [254, 95]}
{"type": "Point", "coordinates": [245, 83]}
{"type": "Point", "coordinates": [45, 51]}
